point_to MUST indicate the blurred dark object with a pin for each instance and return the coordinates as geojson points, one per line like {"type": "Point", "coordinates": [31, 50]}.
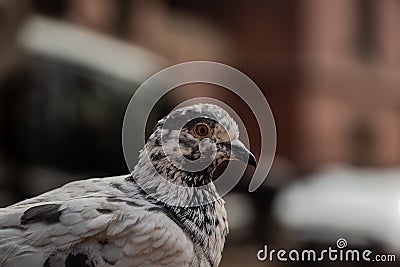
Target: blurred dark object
{"type": "Point", "coordinates": [12, 15]}
{"type": "Point", "coordinates": [73, 110]}
{"type": "Point", "coordinates": [68, 113]}
{"type": "Point", "coordinates": [64, 107]}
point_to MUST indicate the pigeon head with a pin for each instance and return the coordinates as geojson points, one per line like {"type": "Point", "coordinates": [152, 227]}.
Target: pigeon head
{"type": "Point", "coordinates": [192, 141]}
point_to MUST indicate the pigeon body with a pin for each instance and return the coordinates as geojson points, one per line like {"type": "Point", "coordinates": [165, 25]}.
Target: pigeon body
{"type": "Point", "coordinates": [135, 219]}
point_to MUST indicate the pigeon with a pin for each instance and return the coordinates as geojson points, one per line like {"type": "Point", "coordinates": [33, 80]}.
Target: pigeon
{"type": "Point", "coordinates": [163, 213]}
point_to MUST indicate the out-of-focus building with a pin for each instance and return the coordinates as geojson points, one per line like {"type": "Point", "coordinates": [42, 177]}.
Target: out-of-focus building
{"type": "Point", "coordinates": [330, 72]}
{"type": "Point", "coordinates": [349, 105]}
{"type": "Point", "coordinates": [328, 68]}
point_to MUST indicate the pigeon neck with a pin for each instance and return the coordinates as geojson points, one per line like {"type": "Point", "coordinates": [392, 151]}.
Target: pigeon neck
{"type": "Point", "coordinates": [199, 212]}
{"type": "Point", "coordinates": [169, 184]}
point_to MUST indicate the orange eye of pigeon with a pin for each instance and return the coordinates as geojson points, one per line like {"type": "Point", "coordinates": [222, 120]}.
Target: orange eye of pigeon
{"type": "Point", "coordinates": [202, 130]}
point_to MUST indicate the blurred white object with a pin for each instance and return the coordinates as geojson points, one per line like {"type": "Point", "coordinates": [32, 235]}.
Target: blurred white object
{"type": "Point", "coordinates": [360, 205]}
{"type": "Point", "coordinates": [88, 48]}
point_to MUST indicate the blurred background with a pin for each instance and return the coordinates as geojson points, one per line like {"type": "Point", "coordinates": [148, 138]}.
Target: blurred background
{"type": "Point", "coordinates": [329, 69]}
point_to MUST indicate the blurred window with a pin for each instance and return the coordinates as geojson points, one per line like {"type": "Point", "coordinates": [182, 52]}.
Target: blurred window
{"type": "Point", "coordinates": [366, 29]}
{"type": "Point", "coordinates": [362, 141]}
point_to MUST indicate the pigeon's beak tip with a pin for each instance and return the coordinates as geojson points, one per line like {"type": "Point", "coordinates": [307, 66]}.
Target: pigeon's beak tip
{"type": "Point", "coordinates": [252, 160]}
{"type": "Point", "coordinates": [240, 152]}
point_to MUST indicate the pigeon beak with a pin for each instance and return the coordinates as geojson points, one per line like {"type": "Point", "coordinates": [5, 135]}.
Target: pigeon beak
{"type": "Point", "coordinates": [240, 152]}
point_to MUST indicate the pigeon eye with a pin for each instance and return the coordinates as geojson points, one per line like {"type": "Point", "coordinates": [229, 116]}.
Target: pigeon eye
{"type": "Point", "coordinates": [202, 130]}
